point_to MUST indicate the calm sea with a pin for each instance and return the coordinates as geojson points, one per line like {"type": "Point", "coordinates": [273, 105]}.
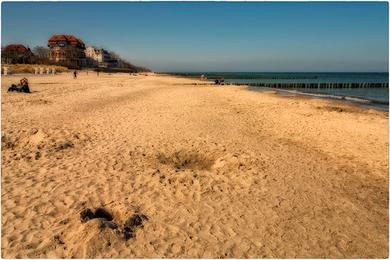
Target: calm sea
{"type": "Point", "coordinates": [379, 95]}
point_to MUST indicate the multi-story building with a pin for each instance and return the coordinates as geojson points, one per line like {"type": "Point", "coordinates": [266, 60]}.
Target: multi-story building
{"type": "Point", "coordinates": [100, 57]}
{"type": "Point", "coordinates": [67, 49]}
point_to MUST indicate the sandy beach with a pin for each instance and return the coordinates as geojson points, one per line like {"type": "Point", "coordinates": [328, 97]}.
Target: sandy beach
{"type": "Point", "coordinates": [218, 172]}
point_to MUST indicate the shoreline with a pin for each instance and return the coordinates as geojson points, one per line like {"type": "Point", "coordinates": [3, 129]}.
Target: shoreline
{"type": "Point", "coordinates": [358, 101]}
{"type": "Point", "coordinates": [353, 100]}
{"type": "Point", "coordinates": [367, 102]}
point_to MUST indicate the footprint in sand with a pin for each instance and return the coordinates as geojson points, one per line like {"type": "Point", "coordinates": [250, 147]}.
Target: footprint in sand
{"type": "Point", "coordinates": [106, 221]}
{"type": "Point", "coordinates": [186, 160]}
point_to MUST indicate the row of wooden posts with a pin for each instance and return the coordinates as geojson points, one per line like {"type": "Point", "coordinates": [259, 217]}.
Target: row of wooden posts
{"type": "Point", "coordinates": [318, 85]}
{"type": "Point", "coordinates": [37, 70]}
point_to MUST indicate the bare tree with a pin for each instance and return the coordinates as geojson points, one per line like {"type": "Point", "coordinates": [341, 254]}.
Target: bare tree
{"type": "Point", "coordinates": [41, 52]}
{"type": "Point", "coordinates": [10, 56]}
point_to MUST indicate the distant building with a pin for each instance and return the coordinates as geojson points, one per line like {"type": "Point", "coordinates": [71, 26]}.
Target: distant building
{"type": "Point", "coordinates": [16, 53]}
{"type": "Point", "coordinates": [100, 58]}
{"type": "Point", "coordinates": [97, 57]}
{"type": "Point", "coordinates": [67, 49]}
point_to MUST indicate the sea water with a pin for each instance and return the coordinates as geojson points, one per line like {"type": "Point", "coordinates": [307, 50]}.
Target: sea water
{"type": "Point", "coordinates": [379, 95]}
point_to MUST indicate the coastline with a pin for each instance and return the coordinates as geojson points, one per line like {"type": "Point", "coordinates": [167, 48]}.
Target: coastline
{"type": "Point", "coordinates": [347, 99]}
{"type": "Point", "coordinates": [354, 100]}
{"type": "Point", "coordinates": [357, 87]}
{"type": "Point", "coordinates": [218, 171]}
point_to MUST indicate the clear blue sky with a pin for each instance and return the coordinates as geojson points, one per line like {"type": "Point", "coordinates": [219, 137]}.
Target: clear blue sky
{"type": "Point", "coordinates": [215, 36]}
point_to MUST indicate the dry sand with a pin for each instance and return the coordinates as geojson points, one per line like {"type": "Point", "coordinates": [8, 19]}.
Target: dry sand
{"type": "Point", "coordinates": [219, 171]}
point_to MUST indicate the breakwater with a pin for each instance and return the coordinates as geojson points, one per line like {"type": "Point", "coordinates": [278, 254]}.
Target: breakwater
{"type": "Point", "coordinates": [315, 85]}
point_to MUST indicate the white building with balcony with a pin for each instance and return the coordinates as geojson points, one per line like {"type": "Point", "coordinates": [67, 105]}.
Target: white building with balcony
{"type": "Point", "coordinates": [100, 57]}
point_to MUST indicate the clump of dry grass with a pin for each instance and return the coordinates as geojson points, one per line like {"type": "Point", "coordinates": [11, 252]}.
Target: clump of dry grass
{"type": "Point", "coordinates": [30, 68]}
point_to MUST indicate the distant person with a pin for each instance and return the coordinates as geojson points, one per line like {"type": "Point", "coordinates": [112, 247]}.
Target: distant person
{"type": "Point", "coordinates": [75, 74]}
{"type": "Point", "coordinates": [97, 72]}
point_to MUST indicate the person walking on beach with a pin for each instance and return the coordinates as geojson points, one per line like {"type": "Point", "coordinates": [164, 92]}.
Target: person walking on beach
{"type": "Point", "coordinates": [75, 74]}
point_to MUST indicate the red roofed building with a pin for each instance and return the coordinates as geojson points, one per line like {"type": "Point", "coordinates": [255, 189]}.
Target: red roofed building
{"type": "Point", "coordinates": [67, 49]}
{"type": "Point", "coordinates": [16, 53]}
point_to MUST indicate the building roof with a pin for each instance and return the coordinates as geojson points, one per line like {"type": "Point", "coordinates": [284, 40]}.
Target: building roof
{"type": "Point", "coordinates": [18, 48]}
{"type": "Point", "coordinates": [71, 39]}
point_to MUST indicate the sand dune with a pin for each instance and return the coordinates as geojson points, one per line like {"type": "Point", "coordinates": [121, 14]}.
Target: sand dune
{"type": "Point", "coordinates": [217, 171]}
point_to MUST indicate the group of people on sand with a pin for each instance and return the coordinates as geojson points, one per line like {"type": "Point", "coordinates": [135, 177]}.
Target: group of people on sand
{"type": "Point", "coordinates": [21, 87]}
{"type": "Point", "coordinates": [218, 81]}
